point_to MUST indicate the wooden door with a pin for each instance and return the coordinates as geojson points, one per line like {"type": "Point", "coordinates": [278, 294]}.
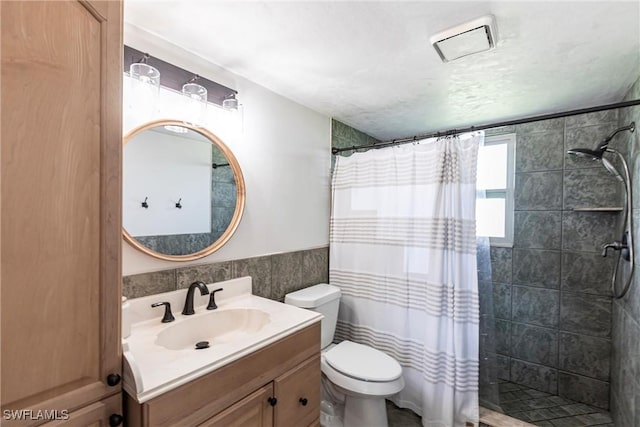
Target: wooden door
{"type": "Point", "coordinates": [94, 415]}
{"type": "Point", "coordinates": [298, 394]}
{"type": "Point", "coordinates": [61, 114]}
{"type": "Point", "coordinates": [252, 411]}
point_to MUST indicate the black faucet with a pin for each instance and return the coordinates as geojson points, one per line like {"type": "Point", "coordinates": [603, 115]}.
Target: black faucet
{"type": "Point", "coordinates": [188, 304]}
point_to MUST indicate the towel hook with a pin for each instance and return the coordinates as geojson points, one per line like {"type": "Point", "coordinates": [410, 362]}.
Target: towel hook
{"type": "Point", "coordinates": [145, 204]}
{"type": "Point", "coordinates": [179, 205]}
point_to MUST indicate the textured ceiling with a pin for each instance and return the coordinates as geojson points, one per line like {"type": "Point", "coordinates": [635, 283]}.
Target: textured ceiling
{"type": "Point", "coordinates": [370, 64]}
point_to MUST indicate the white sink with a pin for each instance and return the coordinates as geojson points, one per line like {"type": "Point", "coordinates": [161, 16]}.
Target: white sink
{"type": "Point", "coordinates": [159, 357]}
{"type": "Point", "coordinates": [216, 327]}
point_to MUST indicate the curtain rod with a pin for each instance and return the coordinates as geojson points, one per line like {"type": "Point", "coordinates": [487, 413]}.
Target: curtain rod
{"type": "Point", "coordinates": [399, 141]}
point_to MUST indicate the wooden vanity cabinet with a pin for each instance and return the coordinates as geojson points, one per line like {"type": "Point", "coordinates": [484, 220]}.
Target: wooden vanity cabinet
{"type": "Point", "coordinates": [61, 115]}
{"type": "Point", "coordinates": [252, 411]}
{"type": "Point", "coordinates": [278, 385]}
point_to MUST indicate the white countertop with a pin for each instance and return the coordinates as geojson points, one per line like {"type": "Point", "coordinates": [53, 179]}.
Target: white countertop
{"type": "Point", "coordinates": [151, 370]}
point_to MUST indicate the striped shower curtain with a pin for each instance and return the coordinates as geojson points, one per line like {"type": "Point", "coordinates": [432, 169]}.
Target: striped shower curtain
{"type": "Point", "coordinates": [403, 252]}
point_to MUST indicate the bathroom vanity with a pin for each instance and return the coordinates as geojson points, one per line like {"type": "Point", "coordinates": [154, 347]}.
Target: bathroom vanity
{"type": "Point", "coordinates": [262, 367]}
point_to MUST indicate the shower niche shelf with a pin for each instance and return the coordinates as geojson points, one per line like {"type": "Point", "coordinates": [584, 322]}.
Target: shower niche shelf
{"type": "Point", "coordinates": [610, 209]}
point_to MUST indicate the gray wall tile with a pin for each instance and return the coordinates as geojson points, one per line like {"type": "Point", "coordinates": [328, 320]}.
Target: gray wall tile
{"type": "Point", "coordinates": [634, 165]}
{"type": "Point", "coordinates": [636, 418]}
{"type": "Point", "coordinates": [140, 285]}
{"type": "Point", "coordinates": [537, 191]}
{"type": "Point", "coordinates": [583, 389]}
{"type": "Point", "coordinates": [315, 266]}
{"type": "Point", "coordinates": [503, 336]}
{"type": "Point", "coordinates": [590, 119]}
{"type": "Point", "coordinates": [502, 130]}
{"type": "Point", "coordinates": [535, 376]}
{"type": "Point", "coordinates": [207, 273]}
{"type": "Point", "coordinates": [630, 347]}
{"type": "Point", "coordinates": [534, 344]}
{"type": "Point", "coordinates": [485, 297]}
{"type": "Point", "coordinates": [533, 267]}
{"type": "Point", "coordinates": [587, 231]}
{"type": "Point", "coordinates": [501, 260]}
{"type": "Point", "coordinates": [224, 194]}
{"type": "Point", "coordinates": [286, 274]}
{"type": "Point", "coordinates": [587, 272]}
{"type": "Point", "coordinates": [502, 301]}
{"type": "Point", "coordinates": [592, 187]}
{"type": "Point", "coordinates": [535, 306]}
{"type": "Point", "coordinates": [259, 268]}
{"type": "Point", "coordinates": [223, 174]}
{"type": "Point", "coordinates": [585, 355]}
{"type": "Point", "coordinates": [503, 367]}
{"type": "Point", "coordinates": [540, 151]}
{"type": "Point", "coordinates": [586, 314]}
{"type": "Point", "coordinates": [541, 126]}
{"type": "Point", "coordinates": [538, 230]}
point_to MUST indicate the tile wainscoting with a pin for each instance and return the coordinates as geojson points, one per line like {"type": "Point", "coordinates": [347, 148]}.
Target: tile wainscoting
{"type": "Point", "coordinates": [273, 275]}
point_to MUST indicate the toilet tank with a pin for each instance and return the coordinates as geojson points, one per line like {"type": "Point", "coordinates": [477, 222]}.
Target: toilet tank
{"type": "Point", "coordinates": [324, 299]}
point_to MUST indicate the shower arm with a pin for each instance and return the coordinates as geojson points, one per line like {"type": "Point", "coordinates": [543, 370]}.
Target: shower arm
{"type": "Point", "coordinates": [605, 144]}
{"type": "Point", "coordinates": [627, 220]}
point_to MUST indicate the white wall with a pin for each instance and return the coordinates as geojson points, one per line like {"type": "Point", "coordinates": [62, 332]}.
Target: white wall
{"type": "Point", "coordinates": [284, 153]}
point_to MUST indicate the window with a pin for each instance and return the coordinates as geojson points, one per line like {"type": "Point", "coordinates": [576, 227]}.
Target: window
{"type": "Point", "coordinates": [496, 176]}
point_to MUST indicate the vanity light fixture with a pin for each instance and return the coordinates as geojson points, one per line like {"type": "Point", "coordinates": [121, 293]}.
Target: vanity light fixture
{"type": "Point", "coordinates": [145, 73]}
{"type": "Point", "coordinates": [196, 103]}
{"type": "Point", "coordinates": [145, 88]}
{"type": "Point", "coordinates": [230, 102]}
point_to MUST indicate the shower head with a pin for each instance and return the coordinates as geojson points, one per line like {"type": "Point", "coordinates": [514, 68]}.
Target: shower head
{"type": "Point", "coordinates": [596, 154]}
{"type": "Point", "coordinates": [611, 169]}
{"type": "Point", "coordinates": [586, 153]}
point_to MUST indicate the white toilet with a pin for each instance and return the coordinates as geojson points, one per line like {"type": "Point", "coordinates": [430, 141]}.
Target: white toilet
{"type": "Point", "coordinates": [361, 375]}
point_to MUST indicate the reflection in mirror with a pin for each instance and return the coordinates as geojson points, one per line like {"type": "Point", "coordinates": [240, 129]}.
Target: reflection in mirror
{"type": "Point", "coordinates": [183, 192]}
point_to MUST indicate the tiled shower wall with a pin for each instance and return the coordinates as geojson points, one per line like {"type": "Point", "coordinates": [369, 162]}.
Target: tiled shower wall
{"type": "Point", "coordinates": [625, 364]}
{"type": "Point", "coordinates": [343, 136]}
{"type": "Point", "coordinates": [552, 304]}
{"type": "Point", "coordinates": [273, 275]}
{"type": "Point", "coordinates": [551, 290]}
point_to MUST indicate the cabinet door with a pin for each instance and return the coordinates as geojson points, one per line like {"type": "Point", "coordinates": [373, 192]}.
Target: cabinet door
{"type": "Point", "coordinates": [298, 394]}
{"type": "Point", "coordinates": [61, 104]}
{"type": "Point", "coordinates": [252, 411]}
{"type": "Point", "coordinates": [95, 415]}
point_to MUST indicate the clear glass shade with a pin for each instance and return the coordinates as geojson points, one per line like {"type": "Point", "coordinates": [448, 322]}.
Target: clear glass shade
{"type": "Point", "coordinates": [145, 73]}
{"type": "Point", "coordinates": [231, 103]}
{"type": "Point", "coordinates": [195, 104]}
{"type": "Point", "coordinates": [144, 91]}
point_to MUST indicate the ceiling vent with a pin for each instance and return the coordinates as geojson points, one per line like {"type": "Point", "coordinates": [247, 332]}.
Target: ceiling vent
{"type": "Point", "coordinates": [465, 39]}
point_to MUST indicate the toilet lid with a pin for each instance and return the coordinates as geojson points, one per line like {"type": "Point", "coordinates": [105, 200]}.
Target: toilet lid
{"type": "Point", "coordinates": [363, 362]}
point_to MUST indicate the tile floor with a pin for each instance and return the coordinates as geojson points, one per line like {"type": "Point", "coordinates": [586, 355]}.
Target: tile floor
{"type": "Point", "coordinates": [526, 404]}
{"type": "Point", "coordinates": [546, 410]}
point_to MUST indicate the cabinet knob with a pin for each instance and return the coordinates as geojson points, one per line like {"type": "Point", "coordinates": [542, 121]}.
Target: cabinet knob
{"type": "Point", "coordinates": [113, 379]}
{"type": "Point", "coordinates": [272, 401]}
{"type": "Point", "coordinates": [303, 401]}
{"type": "Point", "coordinates": [115, 420]}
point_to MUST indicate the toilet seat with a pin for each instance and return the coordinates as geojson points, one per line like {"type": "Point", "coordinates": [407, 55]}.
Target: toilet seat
{"type": "Point", "coordinates": [347, 381]}
{"type": "Point", "coordinates": [362, 362]}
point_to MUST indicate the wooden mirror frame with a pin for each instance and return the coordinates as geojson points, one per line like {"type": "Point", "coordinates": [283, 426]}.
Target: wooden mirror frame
{"type": "Point", "coordinates": [240, 193]}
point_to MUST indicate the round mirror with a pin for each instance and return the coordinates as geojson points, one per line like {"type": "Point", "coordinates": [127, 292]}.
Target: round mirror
{"type": "Point", "coordinates": [183, 191]}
